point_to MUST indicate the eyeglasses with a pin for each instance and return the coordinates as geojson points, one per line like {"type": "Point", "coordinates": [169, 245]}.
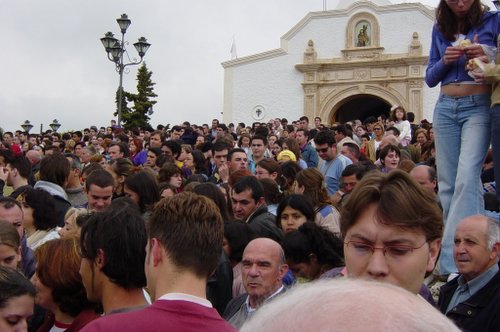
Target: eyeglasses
{"type": "Point", "coordinates": [393, 251]}
{"type": "Point", "coordinates": [323, 150]}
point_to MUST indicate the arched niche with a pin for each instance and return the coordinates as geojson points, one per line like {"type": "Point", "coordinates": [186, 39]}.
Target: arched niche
{"type": "Point", "coordinates": [356, 25]}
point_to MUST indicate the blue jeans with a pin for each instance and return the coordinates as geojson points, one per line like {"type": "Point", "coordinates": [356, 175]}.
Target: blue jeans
{"type": "Point", "coordinates": [462, 135]}
{"type": "Point", "coordinates": [495, 144]}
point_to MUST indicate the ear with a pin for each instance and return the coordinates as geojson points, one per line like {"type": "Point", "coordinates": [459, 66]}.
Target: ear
{"type": "Point", "coordinates": [121, 179]}
{"type": "Point", "coordinates": [100, 259]}
{"type": "Point", "coordinates": [434, 248]}
{"type": "Point", "coordinates": [156, 252]}
{"type": "Point", "coordinates": [261, 201]}
{"type": "Point", "coordinates": [282, 271]}
{"type": "Point", "coordinates": [495, 251]}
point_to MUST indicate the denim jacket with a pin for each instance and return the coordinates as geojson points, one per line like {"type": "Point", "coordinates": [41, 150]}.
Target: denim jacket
{"type": "Point", "coordinates": [437, 71]}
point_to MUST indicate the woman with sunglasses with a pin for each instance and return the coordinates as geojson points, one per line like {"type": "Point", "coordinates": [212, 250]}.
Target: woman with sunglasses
{"type": "Point", "coordinates": [464, 30]}
{"type": "Point", "coordinates": [374, 143]}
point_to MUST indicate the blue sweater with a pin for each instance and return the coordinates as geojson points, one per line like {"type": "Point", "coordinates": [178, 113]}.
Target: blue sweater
{"type": "Point", "coordinates": [455, 72]}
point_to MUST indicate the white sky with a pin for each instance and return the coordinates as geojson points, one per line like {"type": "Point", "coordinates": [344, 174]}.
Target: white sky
{"type": "Point", "coordinates": [54, 65]}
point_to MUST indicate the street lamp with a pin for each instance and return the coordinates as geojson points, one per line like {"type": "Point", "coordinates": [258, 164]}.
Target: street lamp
{"type": "Point", "coordinates": [55, 125]}
{"type": "Point", "coordinates": [27, 126]}
{"type": "Point", "coordinates": [115, 50]}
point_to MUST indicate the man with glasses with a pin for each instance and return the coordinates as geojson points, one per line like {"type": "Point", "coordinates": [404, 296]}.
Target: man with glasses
{"type": "Point", "coordinates": [334, 164]}
{"type": "Point", "coordinates": [392, 230]}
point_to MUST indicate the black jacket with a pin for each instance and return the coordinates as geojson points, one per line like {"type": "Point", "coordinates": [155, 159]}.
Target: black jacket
{"type": "Point", "coordinates": [480, 312]}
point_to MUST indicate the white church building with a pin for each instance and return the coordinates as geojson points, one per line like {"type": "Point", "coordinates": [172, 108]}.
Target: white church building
{"type": "Point", "coordinates": [348, 63]}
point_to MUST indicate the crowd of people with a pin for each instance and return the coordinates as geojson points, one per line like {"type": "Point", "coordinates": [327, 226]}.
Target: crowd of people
{"type": "Point", "coordinates": [271, 226]}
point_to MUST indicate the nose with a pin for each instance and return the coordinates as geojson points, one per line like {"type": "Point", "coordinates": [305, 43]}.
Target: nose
{"type": "Point", "coordinates": [377, 265]}
{"type": "Point", "coordinates": [253, 271]}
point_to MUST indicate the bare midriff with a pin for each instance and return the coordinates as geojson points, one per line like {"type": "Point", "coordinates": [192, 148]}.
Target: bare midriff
{"type": "Point", "coordinates": [462, 90]}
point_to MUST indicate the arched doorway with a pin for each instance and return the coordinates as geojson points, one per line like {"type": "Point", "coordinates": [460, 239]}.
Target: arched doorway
{"type": "Point", "coordinates": [359, 107]}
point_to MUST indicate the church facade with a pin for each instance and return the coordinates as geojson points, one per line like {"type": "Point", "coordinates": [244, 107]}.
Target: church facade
{"type": "Point", "coordinates": [349, 63]}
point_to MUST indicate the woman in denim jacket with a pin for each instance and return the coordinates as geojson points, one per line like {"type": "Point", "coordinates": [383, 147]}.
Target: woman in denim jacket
{"type": "Point", "coordinates": [464, 30]}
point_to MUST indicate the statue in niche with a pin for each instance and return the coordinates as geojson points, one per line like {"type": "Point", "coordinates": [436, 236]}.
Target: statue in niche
{"type": "Point", "coordinates": [363, 37]}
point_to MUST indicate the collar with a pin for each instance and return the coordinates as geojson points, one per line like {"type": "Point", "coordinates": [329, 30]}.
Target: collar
{"type": "Point", "coordinates": [187, 298]}
{"type": "Point", "coordinates": [247, 301]}
{"type": "Point", "coordinates": [474, 285]}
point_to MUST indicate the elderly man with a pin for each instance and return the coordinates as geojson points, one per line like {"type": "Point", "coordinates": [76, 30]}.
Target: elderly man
{"type": "Point", "coordinates": [391, 229]}
{"type": "Point", "coordinates": [426, 177]}
{"type": "Point", "coordinates": [472, 300]}
{"type": "Point", "coordinates": [262, 271]}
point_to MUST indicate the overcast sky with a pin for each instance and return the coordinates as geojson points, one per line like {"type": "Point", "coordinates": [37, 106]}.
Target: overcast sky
{"type": "Point", "coordinates": [54, 65]}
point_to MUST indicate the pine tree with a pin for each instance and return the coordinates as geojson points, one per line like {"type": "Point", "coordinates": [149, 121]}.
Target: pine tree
{"type": "Point", "coordinates": [138, 116]}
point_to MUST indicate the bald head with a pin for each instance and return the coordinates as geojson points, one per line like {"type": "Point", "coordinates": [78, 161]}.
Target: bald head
{"type": "Point", "coordinates": [335, 302]}
{"type": "Point", "coordinates": [389, 139]}
{"type": "Point", "coordinates": [33, 156]}
{"type": "Point", "coordinates": [426, 177]}
{"type": "Point", "coordinates": [477, 245]}
{"type": "Point", "coordinates": [263, 244]}
{"type": "Point", "coordinates": [263, 269]}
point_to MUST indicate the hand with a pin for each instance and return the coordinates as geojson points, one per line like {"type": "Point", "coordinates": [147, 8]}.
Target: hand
{"type": "Point", "coordinates": [452, 54]}
{"type": "Point", "coordinates": [474, 50]}
{"type": "Point", "coordinates": [4, 173]}
{"type": "Point", "coordinates": [224, 172]}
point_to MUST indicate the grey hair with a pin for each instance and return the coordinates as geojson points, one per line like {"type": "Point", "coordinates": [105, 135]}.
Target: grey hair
{"type": "Point", "coordinates": [331, 305]}
{"type": "Point", "coordinates": [493, 233]}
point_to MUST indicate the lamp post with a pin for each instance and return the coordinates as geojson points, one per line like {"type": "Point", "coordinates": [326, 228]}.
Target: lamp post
{"type": "Point", "coordinates": [115, 50]}
{"type": "Point", "coordinates": [27, 126]}
{"type": "Point", "coordinates": [54, 125]}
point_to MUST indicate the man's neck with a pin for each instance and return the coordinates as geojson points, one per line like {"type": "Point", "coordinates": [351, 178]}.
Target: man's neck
{"type": "Point", "coordinates": [180, 282]}
{"type": "Point", "coordinates": [19, 182]}
{"type": "Point", "coordinates": [115, 297]}
{"type": "Point", "coordinates": [257, 159]}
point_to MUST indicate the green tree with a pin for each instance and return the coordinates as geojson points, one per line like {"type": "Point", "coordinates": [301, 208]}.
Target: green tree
{"type": "Point", "coordinates": [143, 101]}
{"type": "Point", "coordinates": [125, 108]}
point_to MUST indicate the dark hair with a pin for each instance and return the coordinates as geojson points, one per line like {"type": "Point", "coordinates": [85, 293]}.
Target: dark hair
{"type": "Point", "coordinates": [58, 265]}
{"type": "Point", "coordinates": [100, 178]}
{"type": "Point", "coordinates": [288, 171]}
{"type": "Point", "coordinates": [394, 130]}
{"type": "Point", "coordinates": [324, 137]}
{"type": "Point", "coordinates": [120, 233]}
{"type": "Point", "coordinates": [144, 184]}
{"type": "Point", "coordinates": [190, 228]}
{"type": "Point", "coordinates": [167, 171]}
{"type": "Point", "coordinates": [449, 24]}
{"type": "Point", "coordinates": [199, 162]}
{"type": "Point", "coordinates": [55, 168]}
{"type": "Point", "coordinates": [238, 234]}
{"type": "Point", "coordinates": [233, 151]}
{"type": "Point", "coordinates": [385, 151]}
{"type": "Point", "coordinates": [9, 202]}
{"type": "Point", "coordinates": [393, 113]}
{"type": "Point", "coordinates": [175, 147]}
{"type": "Point", "coordinates": [13, 284]}
{"type": "Point", "coordinates": [297, 202]}
{"type": "Point", "coordinates": [250, 182]}
{"type": "Point", "coordinates": [219, 145]}
{"type": "Point", "coordinates": [44, 208]}
{"type": "Point", "coordinates": [353, 148]}
{"type": "Point", "coordinates": [312, 180]}
{"type": "Point", "coordinates": [90, 168]}
{"type": "Point", "coordinates": [263, 138]}
{"type": "Point", "coordinates": [123, 148]}
{"type": "Point", "coordinates": [410, 116]}
{"type": "Point", "coordinates": [22, 164]}
{"type": "Point", "coordinates": [354, 169]}
{"type": "Point", "coordinates": [344, 130]}
{"type": "Point", "coordinates": [211, 191]}
{"type": "Point", "coordinates": [270, 165]}
{"type": "Point", "coordinates": [309, 239]}
{"type": "Point", "coordinates": [272, 193]}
